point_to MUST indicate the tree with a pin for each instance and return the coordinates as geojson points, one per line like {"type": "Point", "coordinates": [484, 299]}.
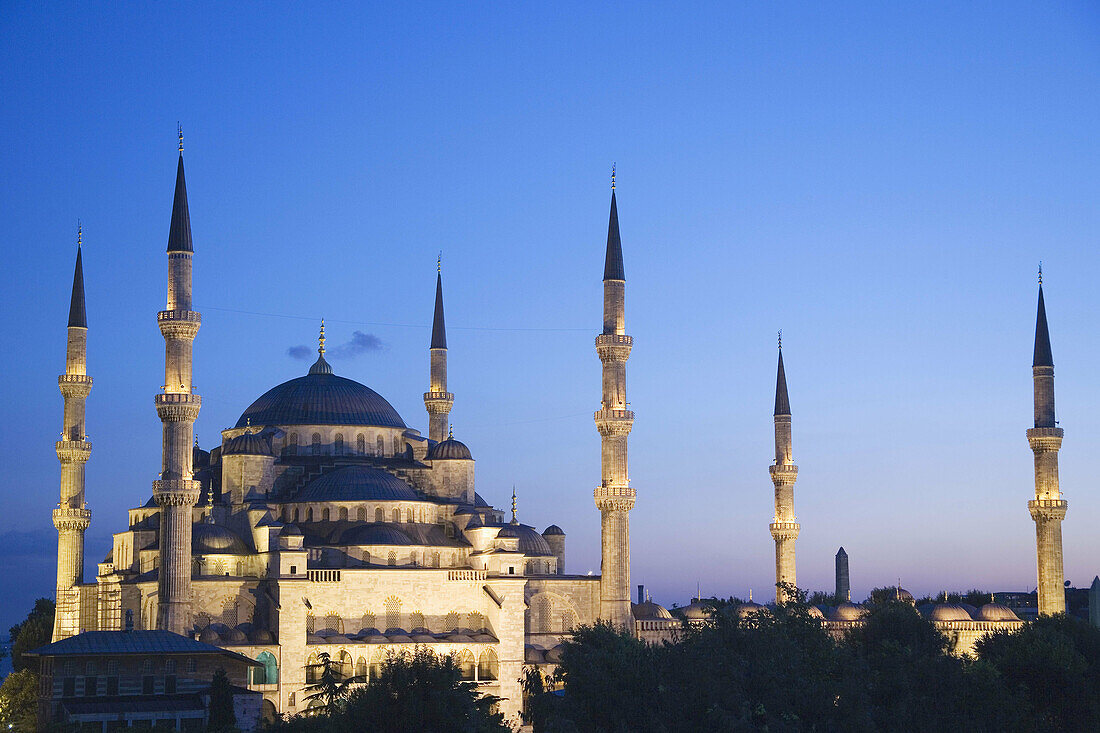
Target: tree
{"type": "Point", "coordinates": [222, 716]}
{"type": "Point", "coordinates": [34, 631]}
{"type": "Point", "coordinates": [19, 701]}
{"type": "Point", "coordinates": [331, 688]}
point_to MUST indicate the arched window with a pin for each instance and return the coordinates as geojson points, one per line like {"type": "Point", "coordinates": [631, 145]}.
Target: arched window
{"type": "Point", "coordinates": [270, 671]}
{"type": "Point", "coordinates": [567, 622]}
{"type": "Point", "coordinates": [435, 559]}
{"type": "Point", "coordinates": [343, 514]}
{"type": "Point", "coordinates": [202, 620]}
{"type": "Point", "coordinates": [396, 445]}
{"type": "Point", "coordinates": [313, 669]}
{"type": "Point", "coordinates": [392, 559]}
{"type": "Point", "coordinates": [316, 444]}
{"type": "Point", "coordinates": [360, 444]}
{"type": "Point", "coordinates": [295, 514]}
{"type": "Point", "coordinates": [240, 569]}
{"type": "Point", "coordinates": [366, 557]}
{"type": "Point", "coordinates": [219, 567]}
{"type": "Point", "coordinates": [417, 620]}
{"type": "Point", "coordinates": [396, 514]}
{"type": "Point", "coordinates": [380, 446]}
{"type": "Point", "coordinates": [361, 514]}
{"type": "Point", "coordinates": [544, 615]}
{"type": "Point", "coordinates": [454, 559]}
{"type": "Point", "coordinates": [379, 515]}
{"type": "Point", "coordinates": [476, 621]}
{"type": "Point", "coordinates": [309, 514]}
{"type": "Point", "coordinates": [393, 612]}
{"type": "Point", "coordinates": [467, 665]}
{"type": "Point", "coordinates": [368, 620]}
{"type": "Point", "coordinates": [338, 444]}
{"type": "Point", "coordinates": [292, 444]}
{"type": "Point", "coordinates": [487, 666]}
{"type": "Point", "coordinates": [409, 516]}
{"type": "Point", "coordinates": [344, 664]}
{"type": "Point", "coordinates": [361, 669]}
{"type": "Point", "coordinates": [376, 664]}
{"type": "Point", "coordinates": [324, 515]}
{"type": "Point", "coordinates": [229, 611]}
{"type": "Point", "coordinates": [311, 623]}
{"type": "Point", "coordinates": [452, 621]}
{"type": "Point", "coordinates": [196, 567]}
{"type": "Point", "coordinates": [529, 568]}
{"type": "Point", "coordinates": [333, 622]}
{"type": "Point", "coordinates": [286, 513]}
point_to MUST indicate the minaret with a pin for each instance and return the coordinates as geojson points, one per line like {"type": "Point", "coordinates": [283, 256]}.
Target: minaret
{"type": "Point", "coordinates": [71, 517]}
{"type": "Point", "coordinates": [614, 497]}
{"type": "Point", "coordinates": [783, 527]}
{"type": "Point", "coordinates": [1048, 508]}
{"type": "Point", "coordinates": [843, 581]}
{"type": "Point", "coordinates": [437, 399]}
{"type": "Point", "coordinates": [177, 406]}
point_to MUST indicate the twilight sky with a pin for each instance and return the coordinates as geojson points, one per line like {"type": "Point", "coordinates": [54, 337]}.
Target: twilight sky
{"type": "Point", "coordinates": [880, 184]}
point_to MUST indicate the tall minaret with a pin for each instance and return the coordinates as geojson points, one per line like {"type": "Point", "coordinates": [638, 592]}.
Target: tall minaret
{"type": "Point", "coordinates": [1048, 508]}
{"type": "Point", "coordinates": [437, 399]}
{"type": "Point", "coordinates": [783, 527]}
{"type": "Point", "coordinates": [71, 517]}
{"type": "Point", "coordinates": [614, 497]}
{"type": "Point", "coordinates": [177, 406]}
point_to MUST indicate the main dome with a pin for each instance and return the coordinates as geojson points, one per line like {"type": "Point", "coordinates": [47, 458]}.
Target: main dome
{"type": "Point", "coordinates": [321, 399]}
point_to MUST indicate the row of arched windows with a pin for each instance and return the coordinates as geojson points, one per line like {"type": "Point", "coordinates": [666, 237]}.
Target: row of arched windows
{"type": "Point", "coordinates": [332, 621]}
{"type": "Point", "coordinates": [483, 668]}
{"type": "Point", "coordinates": [396, 515]}
{"type": "Point", "coordinates": [339, 448]}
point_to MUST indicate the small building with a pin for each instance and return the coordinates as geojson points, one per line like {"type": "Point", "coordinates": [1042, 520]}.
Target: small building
{"type": "Point", "coordinates": [104, 680]}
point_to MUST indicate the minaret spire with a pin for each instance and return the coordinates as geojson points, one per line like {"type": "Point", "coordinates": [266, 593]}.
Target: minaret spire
{"type": "Point", "coordinates": [177, 406]}
{"type": "Point", "coordinates": [515, 519]}
{"type": "Point", "coordinates": [784, 473]}
{"type": "Point", "coordinates": [437, 400]}
{"type": "Point", "coordinates": [614, 420]}
{"type": "Point", "coordinates": [71, 517]}
{"type": "Point", "coordinates": [1048, 508]}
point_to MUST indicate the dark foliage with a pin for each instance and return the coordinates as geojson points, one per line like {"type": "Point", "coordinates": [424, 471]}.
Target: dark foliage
{"type": "Point", "coordinates": [34, 631]}
{"type": "Point", "coordinates": [222, 717]}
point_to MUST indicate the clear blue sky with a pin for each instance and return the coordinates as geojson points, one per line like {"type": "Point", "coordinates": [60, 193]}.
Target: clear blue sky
{"type": "Point", "coordinates": [879, 183]}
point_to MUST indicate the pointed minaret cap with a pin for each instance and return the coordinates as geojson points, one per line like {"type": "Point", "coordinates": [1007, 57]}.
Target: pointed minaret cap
{"type": "Point", "coordinates": [782, 403]}
{"type": "Point", "coordinates": [179, 235]}
{"type": "Point", "coordinates": [439, 326]}
{"type": "Point", "coordinates": [321, 366]}
{"type": "Point", "coordinates": [613, 261]}
{"type": "Point", "coordinates": [841, 552]}
{"type": "Point", "coordinates": [1042, 356]}
{"type": "Point", "coordinates": [78, 318]}
{"type": "Point", "coordinates": [515, 519]}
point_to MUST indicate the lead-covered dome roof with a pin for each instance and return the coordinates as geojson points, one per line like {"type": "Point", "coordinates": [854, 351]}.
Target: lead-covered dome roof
{"type": "Point", "coordinates": [449, 450]}
{"type": "Point", "coordinates": [210, 539]}
{"type": "Point", "coordinates": [321, 398]}
{"type": "Point", "coordinates": [247, 444]}
{"type": "Point", "coordinates": [357, 483]}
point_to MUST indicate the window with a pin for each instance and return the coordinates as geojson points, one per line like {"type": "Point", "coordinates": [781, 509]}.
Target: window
{"type": "Point", "coordinates": [344, 665]}
{"type": "Point", "coordinates": [366, 557]}
{"type": "Point", "coordinates": [333, 622]}
{"type": "Point", "coordinates": [293, 569]}
{"type": "Point", "coordinates": [392, 559]}
{"type": "Point", "coordinates": [361, 669]}
{"type": "Point", "coordinates": [379, 515]}
{"type": "Point", "coordinates": [309, 514]}
{"type": "Point", "coordinates": [417, 620]}
{"type": "Point", "coordinates": [91, 683]}
{"type": "Point", "coordinates": [343, 514]}
{"type": "Point", "coordinates": [381, 446]}
{"type": "Point", "coordinates": [368, 620]}
{"type": "Point", "coordinates": [68, 687]}
{"type": "Point", "coordinates": [409, 516]}
{"type": "Point", "coordinates": [544, 615]}
{"type": "Point", "coordinates": [396, 516]}
{"type": "Point", "coordinates": [396, 443]}
{"type": "Point", "coordinates": [361, 514]}
{"type": "Point", "coordinates": [487, 666]}
{"type": "Point", "coordinates": [112, 686]}
{"type": "Point", "coordinates": [148, 684]}
{"type": "Point", "coordinates": [170, 666]}
{"type": "Point", "coordinates": [511, 570]}
{"type": "Point", "coordinates": [338, 444]}
{"type": "Point", "coordinates": [292, 444]}
{"type": "Point", "coordinates": [467, 665]}
{"type": "Point", "coordinates": [191, 665]}
{"type": "Point", "coordinates": [324, 515]}
{"type": "Point", "coordinates": [240, 569]}
{"type": "Point", "coordinates": [567, 622]}
{"type": "Point", "coordinates": [316, 444]}
{"type": "Point", "coordinates": [311, 623]}
{"type": "Point", "coordinates": [169, 684]}
{"type": "Point", "coordinates": [360, 444]}
{"type": "Point", "coordinates": [393, 612]}
{"type": "Point", "coordinates": [452, 621]}
{"type": "Point", "coordinates": [476, 621]}
{"type": "Point", "coordinates": [435, 559]}
{"type": "Point", "coordinates": [313, 669]}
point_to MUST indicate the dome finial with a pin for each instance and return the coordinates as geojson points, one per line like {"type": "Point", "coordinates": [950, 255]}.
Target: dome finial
{"type": "Point", "coordinates": [451, 432]}
{"type": "Point", "coordinates": [321, 339]}
{"type": "Point", "coordinates": [439, 263]}
{"type": "Point", "coordinates": [1040, 272]}
{"type": "Point", "coordinates": [79, 234]}
{"type": "Point", "coordinates": [612, 176]}
{"type": "Point", "coordinates": [781, 339]}
{"type": "Point", "coordinates": [179, 129]}
{"type": "Point", "coordinates": [514, 520]}
{"type": "Point", "coordinates": [750, 595]}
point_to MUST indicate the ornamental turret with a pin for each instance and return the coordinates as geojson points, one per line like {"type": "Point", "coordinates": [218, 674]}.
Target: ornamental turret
{"type": "Point", "coordinates": [177, 406]}
{"type": "Point", "coordinates": [784, 528]}
{"type": "Point", "coordinates": [1048, 508]}
{"type": "Point", "coordinates": [437, 399]}
{"type": "Point", "coordinates": [614, 496]}
{"type": "Point", "coordinates": [71, 517]}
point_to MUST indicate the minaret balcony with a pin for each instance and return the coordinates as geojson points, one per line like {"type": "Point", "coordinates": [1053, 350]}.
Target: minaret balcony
{"type": "Point", "coordinates": [74, 385]}
{"type": "Point", "coordinates": [179, 324]}
{"type": "Point", "coordinates": [785, 530]}
{"type": "Point", "coordinates": [71, 518]}
{"type": "Point", "coordinates": [1047, 510]}
{"type": "Point", "coordinates": [176, 492]}
{"type": "Point", "coordinates": [1044, 439]}
{"type": "Point", "coordinates": [612, 423]}
{"type": "Point", "coordinates": [614, 347]}
{"type": "Point", "coordinates": [785, 473]}
{"type": "Point", "coordinates": [439, 402]}
{"type": "Point", "coordinates": [178, 407]}
{"type": "Point", "coordinates": [73, 451]}
{"type": "Point", "coordinates": [617, 498]}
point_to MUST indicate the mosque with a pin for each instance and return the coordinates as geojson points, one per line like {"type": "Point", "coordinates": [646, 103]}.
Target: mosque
{"type": "Point", "coordinates": [324, 523]}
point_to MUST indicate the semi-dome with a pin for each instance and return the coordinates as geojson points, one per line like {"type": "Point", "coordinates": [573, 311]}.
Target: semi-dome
{"type": "Point", "coordinates": [848, 612]}
{"type": "Point", "coordinates": [745, 610]}
{"type": "Point", "coordinates": [449, 450]}
{"type": "Point", "coordinates": [507, 531]}
{"type": "Point", "coordinates": [357, 483]}
{"type": "Point", "coordinates": [697, 611]}
{"type": "Point", "coordinates": [650, 611]}
{"type": "Point", "coordinates": [321, 398]}
{"type": "Point", "coordinates": [210, 539]}
{"type": "Point", "coordinates": [950, 612]}
{"type": "Point", "coordinates": [553, 531]}
{"type": "Point", "coordinates": [375, 534]}
{"type": "Point", "coordinates": [247, 444]}
{"type": "Point", "coordinates": [530, 543]}
{"type": "Point", "coordinates": [996, 612]}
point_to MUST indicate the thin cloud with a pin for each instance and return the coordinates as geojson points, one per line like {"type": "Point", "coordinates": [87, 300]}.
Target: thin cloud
{"type": "Point", "coordinates": [360, 343]}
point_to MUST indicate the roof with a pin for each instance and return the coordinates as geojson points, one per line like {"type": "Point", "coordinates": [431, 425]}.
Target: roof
{"type": "Point", "coordinates": [650, 611]}
{"type": "Point", "coordinates": [211, 539]}
{"type": "Point", "coordinates": [613, 260]}
{"type": "Point", "coordinates": [248, 444]}
{"type": "Point", "coordinates": [375, 534]}
{"type": "Point", "coordinates": [78, 318]}
{"type": "Point", "coordinates": [1042, 356]}
{"type": "Point", "coordinates": [782, 403]}
{"type": "Point", "coordinates": [950, 612]}
{"type": "Point", "coordinates": [357, 483]}
{"type": "Point", "coordinates": [439, 328]}
{"type": "Point", "coordinates": [130, 642]}
{"type": "Point", "coordinates": [179, 234]}
{"type": "Point", "coordinates": [449, 450]}
{"type": "Point", "coordinates": [553, 531]}
{"type": "Point", "coordinates": [321, 399]}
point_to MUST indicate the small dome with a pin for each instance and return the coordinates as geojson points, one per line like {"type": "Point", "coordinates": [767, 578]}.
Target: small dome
{"type": "Point", "coordinates": [423, 638]}
{"type": "Point", "coordinates": [815, 612]}
{"type": "Point", "coordinates": [209, 636]}
{"type": "Point", "coordinates": [375, 534]}
{"type": "Point", "coordinates": [235, 636]}
{"type": "Point", "coordinates": [950, 612]}
{"type": "Point", "coordinates": [533, 655]}
{"type": "Point", "coordinates": [449, 450]}
{"type": "Point", "coordinates": [897, 593]}
{"type": "Point", "coordinates": [357, 483]}
{"type": "Point", "coordinates": [485, 638]}
{"type": "Point", "coordinates": [848, 611]}
{"type": "Point", "coordinates": [996, 612]}
{"type": "Point", "coordinates": [553, 655]}
{"type": "Point", "coordinates": [650, 611]}
{"type": "Point", "coordinates": [531, 543]}
{"type": "Point", "coordinates": [553, 531]}
{"type": "Point", "coordinates": [210, 539]}
{"type": "Point", "coordinates": [507, 531]}
{"type": "Point", "coordinates": [248, 444]}
{"type": "Point", "coordinates": [290, 530]}
{"type": "Point", "coordinates": [697, 611]}
{"type": "Point", "coordinates": [261, 636]}
{"type": "Point", "coordinates": [746, 610]}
